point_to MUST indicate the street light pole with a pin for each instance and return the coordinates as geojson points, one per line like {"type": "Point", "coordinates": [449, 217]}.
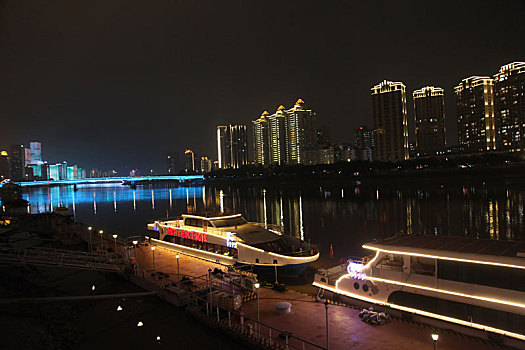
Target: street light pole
{"type": "Point", "coordinates": [101, 243]}
{"type": "Point", "coordinates": [115, 238]}
{"type": "Point", "coordinates": [135, 253]}
{"type": "Point", "coordinates": [257, 285]}
{"type": "Point", "coordinates": [178, 270]}
{"type": "Point", "coordinates": [326, 307]}
{"type": "Point", "coordinates": [435, 337]}
{"type": "Point", "coordinates": [153, 252]}
{"type": "Point", "coordinates": [90, 244]}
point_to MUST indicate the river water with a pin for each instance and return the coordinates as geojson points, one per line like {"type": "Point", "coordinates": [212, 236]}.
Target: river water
{"type": "Point", "coordinates": [342, 216]}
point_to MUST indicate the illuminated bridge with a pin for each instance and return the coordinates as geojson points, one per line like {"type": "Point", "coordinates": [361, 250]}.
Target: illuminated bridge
{"type": "Point", "coordinates": [131, 180]}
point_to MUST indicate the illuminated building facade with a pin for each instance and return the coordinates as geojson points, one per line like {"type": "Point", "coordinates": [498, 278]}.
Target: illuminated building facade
{"type": "Point", "coordinates": [35, 150]}
{"type": "Point", "coordinates": [429, 115]}
{"type": "Point", "coordinates": [344, 153]}
{"type": "Point", "coordinates": [232, 146]}
{"type": "Point", "coordinates": [289, 136]}
{"type": "Point", "coordinates": [277, 136]}
{"type": "Point", "coordinates": [364, 143]}
{"type": "Point", "coordinates": [173, 165]}
{"type": "Point", "coordinates": [475, 113]}
{"type": "Point", "coordinates": [189, 161]}
{"type": "Point", "coordinates": [390, 121]}
{"type": "Point", "coordinates": [222, 147]}
{"type": "Point", "coordinates": [4, 165]}
{"type": "Point", "coordinates": [261, 140]}
{"type": "Point", "coordinates": [17, 159]}
{"type": "Point", "coordinates": [205, 165]}
{"type": "Point", "coordinates": [238, 146]}
{"type": "Point", "coordinates": [509, 107]}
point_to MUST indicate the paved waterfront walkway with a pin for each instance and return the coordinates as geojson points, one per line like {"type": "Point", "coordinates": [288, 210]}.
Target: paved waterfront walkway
{"type": "Point", "coordinates": [307, 318]}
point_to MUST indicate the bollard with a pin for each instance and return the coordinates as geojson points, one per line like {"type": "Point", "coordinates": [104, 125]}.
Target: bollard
{"type": "Point", "coordinates": [286, 341]}
{"type": "Point", "coordinates": [270, 337]}
{"type": "Point", "coordinates": [218, 320]}
{"type": "Point", "coordinates": [229, 319]}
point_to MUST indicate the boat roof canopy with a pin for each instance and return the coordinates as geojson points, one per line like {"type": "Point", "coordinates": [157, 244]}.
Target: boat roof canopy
{"type": "Point", "coordinates": [456, 248]}
{"type": "Point", "coordinates": [211, 217]}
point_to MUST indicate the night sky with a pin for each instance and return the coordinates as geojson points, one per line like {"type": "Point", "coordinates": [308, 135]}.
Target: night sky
{"type": "Point", "coordinates": [114, 84]}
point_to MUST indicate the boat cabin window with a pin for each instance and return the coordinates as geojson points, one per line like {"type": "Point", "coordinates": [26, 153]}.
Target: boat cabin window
{"type": "Point", "coordinates": [391, 262]}
{"type": "Point", "coordinates": [236, 221]}
{"type": "Point", "coordinates": [193, 222]}
{"type": "Point", "coordinates": [486, 275]}
{"type": "Point", "coordinates": [422, 266]}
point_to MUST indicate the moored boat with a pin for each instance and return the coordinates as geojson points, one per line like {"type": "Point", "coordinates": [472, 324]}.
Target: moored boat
{"type": "Point", "coordinates": [471, 283]}
{"type": "Point", "coordinates": [231, 240]}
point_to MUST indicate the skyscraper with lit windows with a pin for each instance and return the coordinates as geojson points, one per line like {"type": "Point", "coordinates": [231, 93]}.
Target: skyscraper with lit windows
{"type": "Point", "coordinates": [261, 141]}
{"type": "Point", "coordinates": [189, 161]}
{"type": "Point", "coordinates": [429, 115]}
{"type": "Point", "coordinates": [289, 136]}
{"type": "Point", "coordinates": [475, 113]}
{"type": "Point", "coordinates": [509, 107]}
{"type": "Point", "coordinates": [232, 146]}
{"type": "Point", "coordinates": [390, 121]}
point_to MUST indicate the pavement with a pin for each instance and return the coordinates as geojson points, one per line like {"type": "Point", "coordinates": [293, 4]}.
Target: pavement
{"type": "Point", "coordinates": [307, 318]}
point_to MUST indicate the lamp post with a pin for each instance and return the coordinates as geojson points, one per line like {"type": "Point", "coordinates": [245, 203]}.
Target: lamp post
{"type": "Point", "coordinates": [153, 252]}
{"type": "Point", "coordinates": [101, 244]}
{"type": "Point", "coordinates": [89, 229]}
{"type": "Point", "coordinates": [257, 285]}
{"type": "Point", "coordinates": [115, 238]}
{"type": "Point", "coordinates": [136, 260]}
{"type": "Point", "coordinates": [326, 307]}
{"type": "Point", "coordinates": [435, 337]}
{"type": "Point", "coordinates": [178, 270]}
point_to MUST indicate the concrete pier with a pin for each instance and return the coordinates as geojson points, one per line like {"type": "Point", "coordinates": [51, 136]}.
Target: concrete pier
{"type": "Point", "coordinates": [307, 318]}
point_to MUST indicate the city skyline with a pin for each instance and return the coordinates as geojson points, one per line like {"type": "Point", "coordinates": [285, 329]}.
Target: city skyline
{"type": "Point", "coordinates": [126, 99]}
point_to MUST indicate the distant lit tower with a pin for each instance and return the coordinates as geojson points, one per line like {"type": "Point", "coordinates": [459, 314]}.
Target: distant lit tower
{"type": "Point", "coordinates": [4, 165]}
{"type": "Point", "coordinates": [17, 161]}
{"type": "Point", "coordinates": [429, 115]}
{"type": "Point", "coordinates": [35, 150]}
{"type": "Point", "coordinates": [261, 141]}
{"type": "Point", "coordinates": [475, 113]}
{"type": "Point", "coordinates": [205, 165]}
{"type": "Point", "coordinates": [277, 136]}
{"type": "Point", "coordinates": [301, 134]}
{"type": "Point", "coordinates": [223, 154]}
{"type": "Point", "coordinates": [173, 165]}
{"type": "Point", "coordinates": [363, 142]}
{"type": "Point", "coordinates": [390, 121]}
{"type": "Point", "coordinates": [189, 161]}
{"type": "Point", "coordinates": [509, 107]}
{"type": "Point", "coordinates": [238, 146]}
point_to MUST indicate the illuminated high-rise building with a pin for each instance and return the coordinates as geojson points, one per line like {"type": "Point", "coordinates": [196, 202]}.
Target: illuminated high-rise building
{"type": "Point", "coordinates": [232, 146]}
{"type": "Point", "coordinates": [390, 121]}
{"type": "Point", "coordinates": [509, 107]}
{"type": "Point", "coordinates": [429, 115]}
{"type": "Point", "coordinates": [223, 156]}
{"type": "Point", "coordinates": [238, 146]}
{"type": "Point", "coordinates": [363, 143]}
{"type": "Point", "coordinates": [277, 136]}
{"type": "Point", "coordinates": [205, 165]}
{"type": "Point", "coordinates": [35, 150]}
{"type": "Point", "coordinates": [173, 164]}
{"type": "Point", "coordinates": [17, 162]}
{"type": "Point", "coordinates": [189, 161]}
{"type": "Point", "coordinates": [261, 140]}
{"type": "Point", "coordinates": [289, 136]}
{"type": "Point", "coordinates": [4, 165]}
{"type": "Point", "coordinates": [475, 113]}
{"type": "Point", "coordinates": [301, 134]}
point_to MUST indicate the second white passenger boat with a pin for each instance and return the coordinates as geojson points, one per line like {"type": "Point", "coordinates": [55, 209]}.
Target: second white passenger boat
{"type": "Point", "coordinates": [476, 283]}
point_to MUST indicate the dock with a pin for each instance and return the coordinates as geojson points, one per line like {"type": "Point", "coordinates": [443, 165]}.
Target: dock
{"type": "Point", "coordinates": [304, 327]}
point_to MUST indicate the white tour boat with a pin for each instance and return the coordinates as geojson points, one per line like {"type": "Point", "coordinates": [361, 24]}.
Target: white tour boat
{"type": "Point", "coordinates": [476, 283]}
{"type": "Point", "coordinates": [231, 240]}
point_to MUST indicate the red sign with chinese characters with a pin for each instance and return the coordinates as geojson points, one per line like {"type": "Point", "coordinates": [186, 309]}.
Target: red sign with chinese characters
{"type": "Point", "coordinates": [196, 236]}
